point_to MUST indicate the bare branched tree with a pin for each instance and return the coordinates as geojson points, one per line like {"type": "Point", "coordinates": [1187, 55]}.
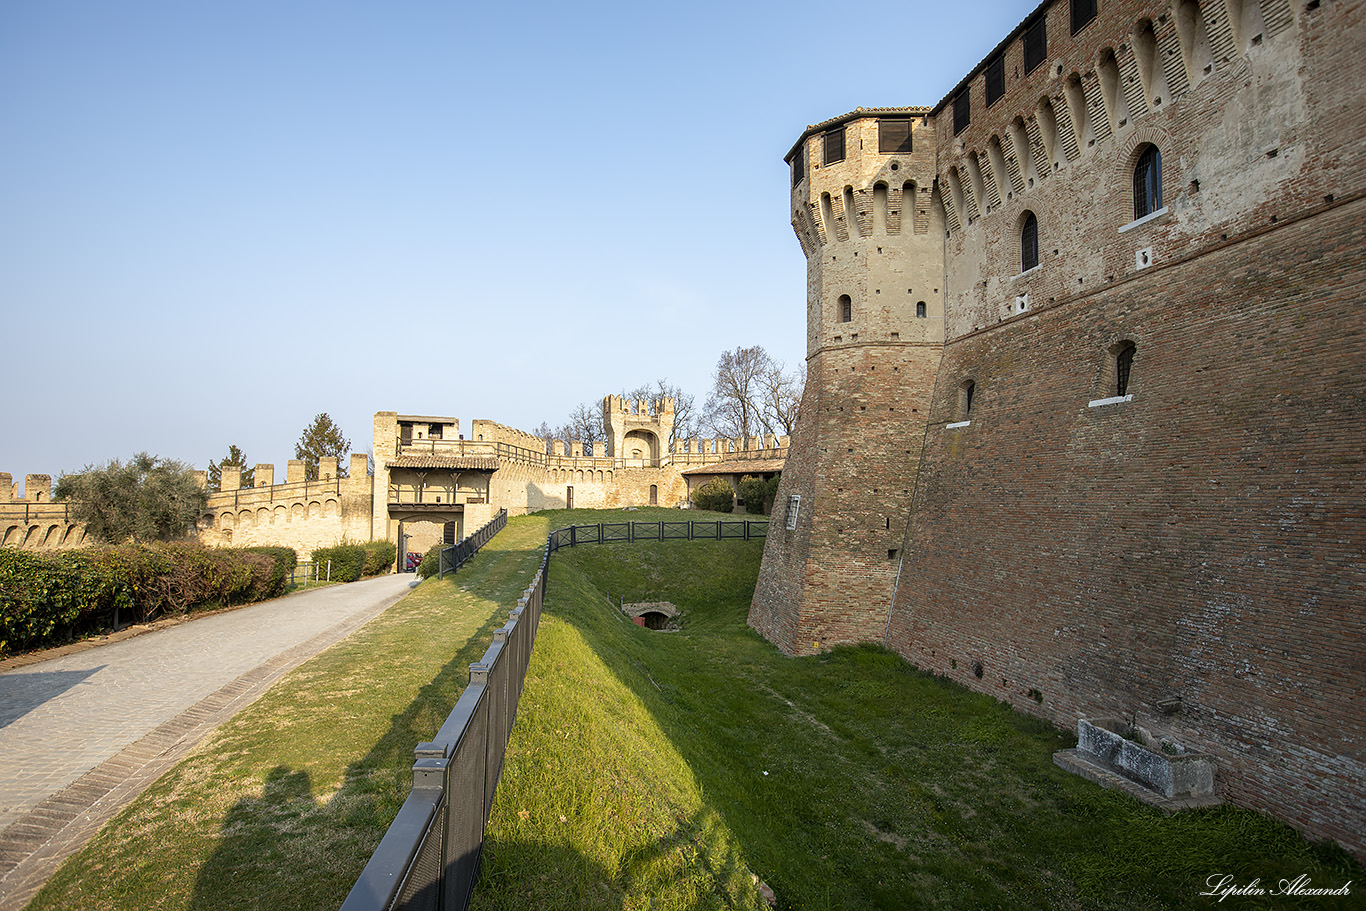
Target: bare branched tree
{"type": "Point", "coordinates": [781, 397]}
{"type": "Point", "coordinates": [735, 406]}
{"type": "Point", "coordinates": [546, 433]}
{"type": "Point", "coordinates": [584, 425]}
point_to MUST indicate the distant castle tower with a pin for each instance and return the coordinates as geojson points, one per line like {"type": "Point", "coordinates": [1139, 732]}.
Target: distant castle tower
{"type": "Point", "coordinates": [868, 217]}
{"type": "Point", "coordinates": [638, 430]}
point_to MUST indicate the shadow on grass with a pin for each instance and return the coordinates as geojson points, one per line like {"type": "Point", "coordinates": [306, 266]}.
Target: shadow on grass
{"type": "Point", "coordinates": [852, 780]}
{"type": "Point", "coordinates": [536, 871]}
{"type": "Point", "coordinates": [286, 849]}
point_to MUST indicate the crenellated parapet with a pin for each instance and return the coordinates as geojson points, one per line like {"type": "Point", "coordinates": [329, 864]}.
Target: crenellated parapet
{"type": "Point", "coordinates": [491, 431]}
{"type": "Point", "coordinates": [295, 513]}
{"type": "Point", "coordinates": [31, 520]}
{"type": "Point", "coordinates": [1038, 147]}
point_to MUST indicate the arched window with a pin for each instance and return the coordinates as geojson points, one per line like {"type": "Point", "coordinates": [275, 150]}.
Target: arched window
{"type": "Point", "coordinates": [1148, 182]}
{"type": "Point", "coordinates": [1029, 243]}
{"type": "Point", "coordinates": [1124, 362]}
{"type": "Point", "coordinates": [965, 392]}
{"type": "Point", "coordinates": [920, 309]}
{"type": "Point", "coordinates": [846, 308]}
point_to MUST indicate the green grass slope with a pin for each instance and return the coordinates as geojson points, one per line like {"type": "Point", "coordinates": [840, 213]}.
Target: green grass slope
{"type": "Point", "coordinates": [652, 770]}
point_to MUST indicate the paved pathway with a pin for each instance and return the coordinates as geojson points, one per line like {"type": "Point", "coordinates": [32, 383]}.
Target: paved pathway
{"type": "Point", "coordinates": [83, 734]}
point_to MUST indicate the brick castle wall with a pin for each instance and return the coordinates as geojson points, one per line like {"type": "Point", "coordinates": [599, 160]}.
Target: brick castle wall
{"type": "Point", "coordinates": [1201, 540]}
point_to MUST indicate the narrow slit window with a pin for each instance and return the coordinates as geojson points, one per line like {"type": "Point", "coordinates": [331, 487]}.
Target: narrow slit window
{"type": "Point", "coordinates": [794, 504]}
{"type": "Point", "coordinates": [846, 308]}
{"type": "Point", "coordinates": [1029, 243]}
{"type": "Point", "coordinates": [965, 393]}
{"type": "Point", "coordinates": [1124, 363]}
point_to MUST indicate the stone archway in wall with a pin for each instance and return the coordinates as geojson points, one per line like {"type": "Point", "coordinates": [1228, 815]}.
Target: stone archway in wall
{"type": "Point", "coordinates": [418, 527]}
{"type": "Point", "coordinates": [640, 447]}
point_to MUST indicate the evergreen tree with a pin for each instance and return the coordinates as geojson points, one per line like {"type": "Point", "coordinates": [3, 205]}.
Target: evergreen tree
{"type": "Point", "coordinates": [234, 457]}
{"type": "Point", "coordinates": [320, 439]}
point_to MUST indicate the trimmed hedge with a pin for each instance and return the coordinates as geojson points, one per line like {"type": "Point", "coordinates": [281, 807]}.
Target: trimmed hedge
{"type": "Point", "coordinates": [348, 562]}
{"type": "Point", "coordinates": [46, 598]}
{"type": "Point", "coordinates": [715, 495]}
{"type": "Point", "coordinates": [285, 560]}
{"type": "Point", "coordinates": [351, 561]}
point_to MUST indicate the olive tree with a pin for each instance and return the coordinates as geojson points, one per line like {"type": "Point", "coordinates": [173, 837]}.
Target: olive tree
{"type": "Point", "coordinates": [146, 498]}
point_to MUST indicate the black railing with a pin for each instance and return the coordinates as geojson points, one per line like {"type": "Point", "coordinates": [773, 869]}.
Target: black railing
{"type": "Point", "coordinates": [36, 512]}
{"type": "Point", "coordinates": [267, 493]}
{"type": "Point", "coordinates": [429, 858]}
{"type": "Point", "coordinates": [452, 558]}
{"type": "Point", "coordinates": [609, 532]}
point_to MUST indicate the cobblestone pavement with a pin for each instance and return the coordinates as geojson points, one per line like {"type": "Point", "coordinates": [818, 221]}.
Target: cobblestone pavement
{"type": "Point", "coordinates": [84, 733]}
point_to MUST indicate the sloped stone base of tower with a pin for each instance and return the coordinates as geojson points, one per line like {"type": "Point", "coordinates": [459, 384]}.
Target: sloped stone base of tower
{"type": "Point", "coordinates": [829, 580]}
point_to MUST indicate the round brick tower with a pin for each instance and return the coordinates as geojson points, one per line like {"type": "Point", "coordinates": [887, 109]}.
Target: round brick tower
{"type": "Point", "coordinates": [866, 212]}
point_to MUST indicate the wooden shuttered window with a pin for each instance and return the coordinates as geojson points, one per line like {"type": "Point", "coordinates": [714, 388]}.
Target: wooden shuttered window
{"type": "Point", "coordinates": [962, 112]}
{"type": "Point", "coordinates": [1083, 11]}
{"type": "Point", "coordinates": [834, 145]}
{"type": "Point", "coordinates": [1035, 44]}
{"type": "Point", "coordinates": [894, 134]}
{"type": "Point", "coordinates": [996, 79]}
{"type": "Point", "coordinates": [799, 164]}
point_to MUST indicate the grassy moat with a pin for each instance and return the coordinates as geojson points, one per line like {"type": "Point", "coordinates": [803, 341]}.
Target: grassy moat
{"type": "Point", "coordinates": [666, 770]}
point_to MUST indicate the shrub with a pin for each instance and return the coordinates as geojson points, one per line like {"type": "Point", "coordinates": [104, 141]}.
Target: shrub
{"type": "Point", "coordinates": [285, 560]}
{"type": "Point", "coordinates": [715, 495]}
{"type": "Point", "coordinates": [379, 556]}
{"type": "Point", "coordinates": [758, 494]}
{"type": "Point", "coordinates": [348, 562]}
{"type": "Point", "coordinates": [430, 561]}
{"type": "Point", "coordinates": [45, 598]}
{"type": "Point", "coordinates": [43, 595]}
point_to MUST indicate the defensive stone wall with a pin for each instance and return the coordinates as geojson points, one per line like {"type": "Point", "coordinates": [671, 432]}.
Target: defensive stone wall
{"type": "Point", "coordinates": [1198, 540]}
{"type": "Point", "coordinates": [1136, 483]}
{"type": "Point", "coordinates": [32, 521]}
{"type": "Point", "coordinates": [304, 515]}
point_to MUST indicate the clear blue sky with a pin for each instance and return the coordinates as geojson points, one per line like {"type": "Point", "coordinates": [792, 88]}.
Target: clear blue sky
{"type": "Point", "coordinates": [219, 219]}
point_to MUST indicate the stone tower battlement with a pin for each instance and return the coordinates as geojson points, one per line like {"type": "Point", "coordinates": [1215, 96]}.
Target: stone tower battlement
{"type": "Point", "coordinates": [866, 212]}
{"type": "Point", "coordinates": [638, 429]}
